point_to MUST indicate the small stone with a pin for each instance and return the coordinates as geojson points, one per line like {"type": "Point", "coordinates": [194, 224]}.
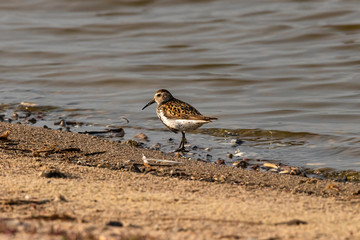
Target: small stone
{"type": "Point", "coordinates": [291, 222]}
{"type": "Point", "coordinates": [27, 114]}
{"type": "Point", "coordinates": [194, 147]}
{"type": "Point", "coordinates": [220, 162]}
{"type": "Point", "coordinates": [242, 164]}
{"type": "Point", "coordinates": [255, 167]}
{"type": "Point", "coordinates": [229, 155]}
{"type": "Point", "coordinates": [52, 173]}
{"type": "Point", "coordinates": [236, 142]}
{"type": "Point", "coordinates": [344, 179]}
{"type": "Point", "coordinates": [141, 136]}
{"type": "Point", "coordinates": [134, 168]}
{"type": "Point", "coordinates": [117, 132]}
{"type": "Point", "coordinates": [200, 160]}
{"type": "Point", "coordinates": [356, 193]}
{"type": "Point", "coordinates": [114, 224]}
{"type": "Point", "coordinates": [5, 135]}
{"type": "Point", "coordinates": [285, 169]}
{"type": "Point", "coordinates": [132, 143]}
{"type": "Point", "coordinates": [295, 171]}
{"type": "Point", "coordinates": [207, 149]}
{"type": "Point", "coordinates": [32, 120]}
{"type": "Point", "coordinates": [312, 181]}
{"type": "Point", "coordinates": [62, 123]}
{"type": "Point", "coordinates": [15, 116]}
{"type": "Point", "coordinates": [156, 146]}
{"type": "Point", "coordinates": [60, 198]}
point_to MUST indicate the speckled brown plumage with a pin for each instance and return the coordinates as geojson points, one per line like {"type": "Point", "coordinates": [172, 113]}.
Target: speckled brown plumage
{"type": "Point", "coordinates": [177, 115]}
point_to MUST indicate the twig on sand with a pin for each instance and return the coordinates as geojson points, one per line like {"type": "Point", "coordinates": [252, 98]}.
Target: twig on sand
{"type": "Point", "coordinates": [146, 160]}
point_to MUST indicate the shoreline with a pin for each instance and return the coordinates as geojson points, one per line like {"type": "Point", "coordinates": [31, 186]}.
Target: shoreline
{"type": "Point", "coordinates": [39, 118]}
{"type": "Point", "coordinates": [59, 184]}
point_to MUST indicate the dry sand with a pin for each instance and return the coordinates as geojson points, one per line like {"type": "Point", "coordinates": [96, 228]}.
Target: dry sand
{"type": "Point", "coordinates": [59, 185]}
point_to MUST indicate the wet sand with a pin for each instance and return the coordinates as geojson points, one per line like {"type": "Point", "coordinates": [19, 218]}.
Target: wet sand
{"type": "Point", "coordinates": [60, 185]}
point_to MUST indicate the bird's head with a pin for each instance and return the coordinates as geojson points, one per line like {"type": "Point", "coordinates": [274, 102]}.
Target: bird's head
{"type": "Point", "coordinates": [161, 96]}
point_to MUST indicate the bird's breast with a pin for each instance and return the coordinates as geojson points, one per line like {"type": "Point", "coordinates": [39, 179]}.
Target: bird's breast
{"type": "Point", "coordinates": [179, 124]}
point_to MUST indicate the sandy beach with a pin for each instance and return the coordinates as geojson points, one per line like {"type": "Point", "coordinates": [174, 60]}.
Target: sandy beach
{"type": "Point", "coordinates": [61, 185]}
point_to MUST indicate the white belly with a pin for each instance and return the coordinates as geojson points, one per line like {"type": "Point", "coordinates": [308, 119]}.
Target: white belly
{"type": "Point", "coordinates": [180, 124]}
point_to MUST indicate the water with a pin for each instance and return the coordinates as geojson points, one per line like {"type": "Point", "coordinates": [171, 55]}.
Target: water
{"type": "Point", "coordinates": [281, 75]}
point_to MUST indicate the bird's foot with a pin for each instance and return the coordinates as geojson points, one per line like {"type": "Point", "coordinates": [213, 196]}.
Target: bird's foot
{"type": "Point", "coordinates": [182, 149]}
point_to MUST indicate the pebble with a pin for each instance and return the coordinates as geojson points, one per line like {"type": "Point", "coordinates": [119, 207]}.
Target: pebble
{"type": "Point", "coordinates": [52, 173]}
{"type": "Point", "coordinates": [207, 149]}
{"type": "Point", "coordinates": [229, 155]}
{"type": "Point", "coordinates": [62, 123]}
{"type": "Point", "coordinates": [27, 114]}
{"type": "Point", "coordinates": [32, 120]}
{"type": "Point", "coordinates": [295, 171]}
{"type": "Point", "coordinates": [220, 162]}
{"type": "Point", "coordinates": [344, 179]}
{"type": "Point", "coordinates": [242, 164]}
{"type": "Point", "coordinates": [60, 198]}
{"type": "Point", "coordinates": [255, 167]}
{"type": "Point", "coordinates": [115, 224]}
{"type": "Point", "coordinates": [356, 193]}
{"type": "Point", "coordinates": [132, 143]}
{"type": "Point", "coordinates": [156, 146]}
{"type": "Point", "coordinates": [120, 132]}
{"type": "Point", "coordinates": [236, 142]}
{"type": "Point", "coordinates": [141, 136]}
{"type": "Point", "coordinates": [179, 154]}
{"type": "Point", "coordinates": [15, 116]}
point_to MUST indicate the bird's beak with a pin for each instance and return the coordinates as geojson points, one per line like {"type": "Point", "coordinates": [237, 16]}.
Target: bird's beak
{"type": "Point", "coordinates": [149, 103]}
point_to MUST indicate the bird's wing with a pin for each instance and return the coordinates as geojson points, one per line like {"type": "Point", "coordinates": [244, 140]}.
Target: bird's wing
{"type": "Point", "coordinates": [179, 109]}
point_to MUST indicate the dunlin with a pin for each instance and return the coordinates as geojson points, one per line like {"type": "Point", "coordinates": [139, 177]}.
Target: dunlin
{"type": "Point", "coordinates": [177, 115]}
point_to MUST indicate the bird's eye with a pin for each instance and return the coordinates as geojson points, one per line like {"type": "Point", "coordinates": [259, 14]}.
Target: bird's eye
{"type": "Point", "coordinates": [158, 95]}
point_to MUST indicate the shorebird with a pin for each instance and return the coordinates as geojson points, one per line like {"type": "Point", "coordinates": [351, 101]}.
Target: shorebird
{"type": "Point", "coordinates": [176, 115]}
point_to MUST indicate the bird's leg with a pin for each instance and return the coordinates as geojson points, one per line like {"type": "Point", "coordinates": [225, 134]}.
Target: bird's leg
{"type": "Point", "coordinates": [181, 147]}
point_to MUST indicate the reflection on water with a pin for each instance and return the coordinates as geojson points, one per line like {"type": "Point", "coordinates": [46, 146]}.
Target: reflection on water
{"type": "Point", "coordinates": [281, 75]}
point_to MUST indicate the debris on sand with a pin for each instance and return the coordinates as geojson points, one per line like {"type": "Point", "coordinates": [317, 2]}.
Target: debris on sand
{"type": "Point", "coordinates": [114, 224]}
{"type": "Point", "coordinates": [146, 161]}
{"type": "Point", "coordinates": [133, 143]}
{"type": "Point", "coordinates": [142, 137]}
{"type": "Point", "coordinates": [291, 222]}
{"type": "Point", "coordinates": [220, 162]}
{"type": "Point", "coordinates": [52, 217]}
{"type": "Point", "coordinates": [242, 164]}
{"type": "Point", "coordinates": [23, 201]}
{"type": "Point", "coordinates": [5, 135]}
{"type": "Point", "coordinates": [52, 173]}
